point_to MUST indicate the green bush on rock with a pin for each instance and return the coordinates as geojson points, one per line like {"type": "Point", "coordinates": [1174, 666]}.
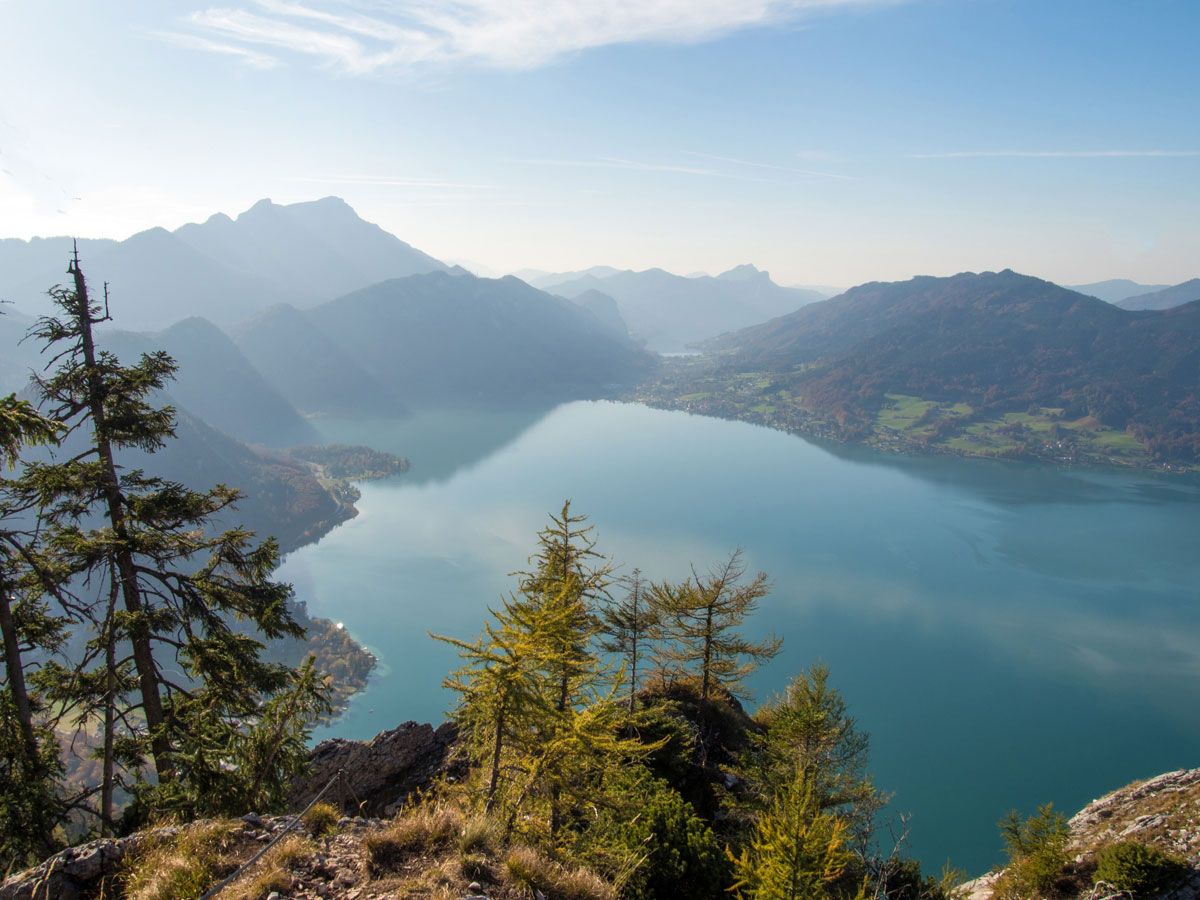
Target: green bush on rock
{"type": "Point", "coordinates": [1140, 868]}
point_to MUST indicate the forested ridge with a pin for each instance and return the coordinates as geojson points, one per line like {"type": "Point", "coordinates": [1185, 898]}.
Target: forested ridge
{"type": "Point", "coordinates": [999, 342]}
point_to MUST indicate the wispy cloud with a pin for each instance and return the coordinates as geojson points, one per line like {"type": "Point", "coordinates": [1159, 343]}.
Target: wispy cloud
{"type": "Point", "coordinates": [757, 165]}
{"type": "Point", "coordinates": [363, 37]}
{"type": "Point", "coordinates": [390, 181]}
{"type": "Point", "coordinates": [612, 162]}
{"type": "Point", "coordinates": [251, 58]}
{"type": "Point", "coordinates": [1053, 154]}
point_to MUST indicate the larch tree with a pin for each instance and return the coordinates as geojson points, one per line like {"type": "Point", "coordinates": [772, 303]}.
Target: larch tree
{"type": "Point", "coordinates": [701, 618]}
{"type": "Point", "coordinates": [630, 627]}
{"type": "Point", "coordinates": [795, 852]}
{"type": "Point", "coordinates": [535, 697]}
{"type": "Point", "coordinates": [808, 730]}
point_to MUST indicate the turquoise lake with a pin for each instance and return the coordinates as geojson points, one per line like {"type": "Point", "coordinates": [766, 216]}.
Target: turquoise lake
{"type": "Point", "coordinates": [1008, 634]}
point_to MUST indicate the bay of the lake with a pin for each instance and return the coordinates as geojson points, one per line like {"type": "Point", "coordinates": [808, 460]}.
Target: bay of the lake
{"type": "Point", "coordinates": [1009, 634]}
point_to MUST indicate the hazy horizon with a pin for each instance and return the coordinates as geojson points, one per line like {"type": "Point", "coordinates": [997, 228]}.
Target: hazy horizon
{"type": "Point", "coordinates": [825, 141]}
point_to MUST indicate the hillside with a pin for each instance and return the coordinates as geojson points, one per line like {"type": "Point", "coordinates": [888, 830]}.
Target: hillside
{"type": "Point", "coordinates": [315, 374]}
{"type": "Point", "coordinates": [669, 312]}
{"type": "Point", "coordinates": [283, 499]}
{"type": "Point", "coordinates": [217, 383]}
{"type": "Point", "coordinates": [996, 343]}
{"type": "Point", "coordinates": [1164, 298]}
{"type": "Point", "coordinates": [457, 340]}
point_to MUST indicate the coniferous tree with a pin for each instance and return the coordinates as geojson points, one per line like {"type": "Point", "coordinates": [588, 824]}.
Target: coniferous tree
{"type": "Point", "coordinates": [630, 626]}
{"type": "Point", "coordinates": [701, 618]}
{"type": "Point", "coordinates": [796, 851]}
{"type": "Point", "coordinates": [533, 693]}
{"type": "Point", "coordinates": [30, 761]}
{"type": "Point", "coordinates": [160, 587]}
{"type": "Point", "coordinates": [809, 730]}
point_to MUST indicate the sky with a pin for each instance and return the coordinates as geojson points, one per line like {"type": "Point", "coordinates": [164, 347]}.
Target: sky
{"type": "Point", "coordinates": [830, 142]}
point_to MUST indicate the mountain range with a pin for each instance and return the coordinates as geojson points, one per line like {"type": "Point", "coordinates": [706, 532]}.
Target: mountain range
{"type": "Point", "coordinates": [1165, 298]}
{"type": "Point", "coordinates": [223, 269]}
{"type": "Point", "coordinates": [1115, 289]}
{"type": "Point", "coordinates": [668, 313]}
{"type": "Point", "coordinates": [998, 340]}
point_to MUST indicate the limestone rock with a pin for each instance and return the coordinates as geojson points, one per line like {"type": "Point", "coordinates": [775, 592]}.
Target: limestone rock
{"type": "Point", "coordinates": [381, 774]}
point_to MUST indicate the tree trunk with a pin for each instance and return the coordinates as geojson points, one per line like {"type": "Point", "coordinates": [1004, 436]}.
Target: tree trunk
{"type": "Point", "coordinates": [143, 657]}
{"type": "Point", "coordinates": [16, 679]}
{"type": "Point", "coordinates": [494, 779]}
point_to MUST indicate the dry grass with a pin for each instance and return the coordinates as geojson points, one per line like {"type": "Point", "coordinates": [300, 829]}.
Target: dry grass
{"type": "Point", "coordinates": [322, 819]}
{"type": "Point", "coordinates": [182, 865]}
{"type": "Point", "coordinates": [435, 850]}
{"type": "Point", "coordinates": [273, 871]}
{"type": "Point", "coordinates": [422, 830]}
{"type": "Point", "coordinates": [530, 872]}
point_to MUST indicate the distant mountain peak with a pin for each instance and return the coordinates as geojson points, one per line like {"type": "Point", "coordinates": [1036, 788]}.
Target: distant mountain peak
{"type": "Point", "coordinates": [744, 272]}
{"type": "Point", "coordinates": [261, 206]}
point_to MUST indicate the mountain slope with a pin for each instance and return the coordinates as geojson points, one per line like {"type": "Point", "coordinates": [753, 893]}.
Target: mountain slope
{"type": "Point", "coordinates": [312, 251]}
{"type": "Point", "coordinates": [1115, 289]}
{"type": "Point", "coordinates": [314, 373]}
{"type": "Point", "coordinates": [442, 339]}
{"type": "Point", "coordinates": [997, 341]}
{"type": "Point", "coordinates": [218, 384]}
{"type": "Point", "coordinates": [1165, 298]}
{"type": "Point", "coordinates": [669, 312]}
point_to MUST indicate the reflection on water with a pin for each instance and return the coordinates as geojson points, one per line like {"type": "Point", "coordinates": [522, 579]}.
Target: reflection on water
{"type": "Point", "coordinates": [986, 621]}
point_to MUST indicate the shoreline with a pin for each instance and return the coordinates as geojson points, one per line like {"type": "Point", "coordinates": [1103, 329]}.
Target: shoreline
{"type": "Point", "coordinates": [808, 425]}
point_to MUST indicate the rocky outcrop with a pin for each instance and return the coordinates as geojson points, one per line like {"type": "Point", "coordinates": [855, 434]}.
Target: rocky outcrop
{"type": "Point", "coordinates": [382, 774]}
{"type": "Point", "coordinates": [1163, 811]}
{"type": "Point", "coordinates": [73, 873]}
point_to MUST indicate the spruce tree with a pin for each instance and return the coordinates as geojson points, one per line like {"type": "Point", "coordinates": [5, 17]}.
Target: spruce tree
{"type": "Point", "coordinates": [30, 761]}
{"type": "Point", "coordinates": [161, 587]}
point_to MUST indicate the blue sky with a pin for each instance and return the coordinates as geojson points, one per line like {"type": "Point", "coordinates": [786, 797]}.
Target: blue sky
{"type": "Point", "coordinates": [828, 141]}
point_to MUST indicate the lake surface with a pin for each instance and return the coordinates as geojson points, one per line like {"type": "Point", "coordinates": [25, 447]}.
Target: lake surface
{"type": "Point", "coordinates": [1008, 634]}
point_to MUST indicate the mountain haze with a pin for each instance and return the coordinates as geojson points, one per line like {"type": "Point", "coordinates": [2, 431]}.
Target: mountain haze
{"type": "Point", "coordinates": [314, 251]}
{"type": "Point", "coordinates": [1165, 298]}
{"type": "Point", "coordinates": [216, 383]}
{"type": "Point", "coordinates": [312, 371]}
{"type": "Point", "coordinates": [223, 269]}
{"type": "Point", "coordinates": [669, 312]}
{"type": "Point", "coordinates": [1115, 289]}
{"type": "Point", "coordinates": [442, 339]}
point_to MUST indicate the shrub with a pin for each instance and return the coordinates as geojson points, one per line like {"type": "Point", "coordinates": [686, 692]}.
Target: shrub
{"type": "Point", "coordinates": [479, 834]}
{"type": "Point", "coordinates": [682, 857]}
{"type": "Point", "coordinates": [1139, 868]}
{"type": "Point", "coordinates": [321, 819]}
{"type": "Point", "coordinates": [1037, 853]}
